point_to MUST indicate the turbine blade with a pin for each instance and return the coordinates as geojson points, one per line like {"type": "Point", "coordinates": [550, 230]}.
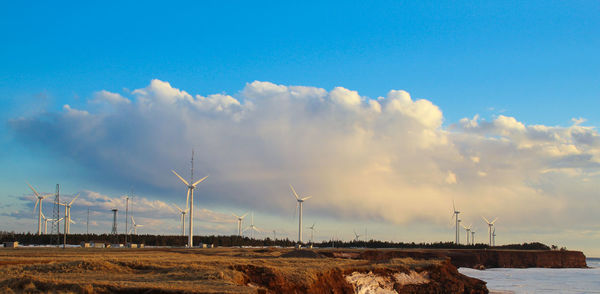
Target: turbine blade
{"type": "Point", "coordinates": [453, 206]}
{"type": "Point", "coordinates": [243, 216]}
{"type": "Point", "coordinates": [187, 200]}
{"type": "Point", "coordinates": [34, 191]}
{"type": "Point", "coordinates": [184, 181]}
{"type": "Point", "coordinates": [200, 180]}
{"type": "Point", "coordinates": [294, 191]}
{"type": "Point", "coordinates": [139, 225]}
{"type": "Point", "coordinates": [132, 221]}
{"type": "Point", "coordinates": [74, 199]}
{"type": "Point", "coordinates": [37, 200]}
{"type": "Point", "coordinates": [236, 216]}
{"type": "Point", "coordinates": [46, 196]}
{"type": "Point", "coordinates": [73, 222]}
{"type": "Point", "coordinates": [180, 210]}
{"type": "Point", "coordinates": [485, 219]}
{"type": "Point", "coordinates": [494, 221]}
{"type": "Point", "coordinates": [256, 229]}
{"type": "Point", "coordinates": [306, 198]}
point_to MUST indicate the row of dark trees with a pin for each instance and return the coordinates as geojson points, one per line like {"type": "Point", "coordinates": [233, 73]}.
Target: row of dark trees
{"type": "Point", "coordinates": [233, 240]}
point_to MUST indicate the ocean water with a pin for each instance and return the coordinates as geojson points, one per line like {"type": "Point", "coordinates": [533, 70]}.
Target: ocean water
{"type": "Point", "coordinates": [540, 280]}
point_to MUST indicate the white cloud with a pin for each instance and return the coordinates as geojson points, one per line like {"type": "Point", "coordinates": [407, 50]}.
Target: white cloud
{"type": "Point", "coordinates": [389, 159]}
{"type": "Point", "coordinates": [109, 97]}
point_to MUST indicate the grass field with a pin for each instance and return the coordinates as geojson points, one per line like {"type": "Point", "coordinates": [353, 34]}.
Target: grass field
{"type": "Point", "coordinates": [218, 270]}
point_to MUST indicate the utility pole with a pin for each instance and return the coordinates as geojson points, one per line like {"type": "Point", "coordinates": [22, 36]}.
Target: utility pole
{"type": "Point", "coordinates": [56, 216]}
{"type": "Point", "coordinates": [126, 218]}
{"type": "Point", "coordinates": [87, 226]}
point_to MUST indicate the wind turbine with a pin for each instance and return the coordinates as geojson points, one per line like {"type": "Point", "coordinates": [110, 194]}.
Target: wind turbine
{"type": "Point", "coordinates": [46, 220]}
{"type": "Point", "coordinates": [252, 227]}
{"type": "Point", "coordinates": [68, 220]}
{"type": "Point", "coordinates": [490, 225]}
{"type": "Point", "coordinates": [356, 236]}
{"type": "Point", "coordinates": [455, 216]}
{"type": "Point", "coordinates": [39, 200]}
{"type": "Point", "coordinates": [299, 205]}
{"type": "Point", "coordinates": [183, 212]}
{"type": "Point", "coordinates": [239, 220]}
{"type": "Point", "coordinates": [312, 230]}
{"type": "Point", "coordinates": [134, 226]}
{"type": "Point", "coordinates": [468, 229]}
{"type": "Point", "coordinates": [190, 197]}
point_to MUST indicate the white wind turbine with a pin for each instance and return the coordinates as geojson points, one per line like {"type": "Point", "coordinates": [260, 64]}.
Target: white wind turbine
{"type": "Point", "coordinates": [455, 216]}
{"type": "Point", "coordinates": [190, 197]}
{"type": "Point", "coordinates": [467, 229]}
{"type": "Point", "coordinates": [490, 225]}
{"type": "Point", "coordinates": [252, 227]}
{"type": "Point", "coordinates": [183, 212]}
{"type": "Point", "coordinates": [46, 220]}
{"type": "Point", "coordinates": [356, 236]}
{"type": "Point", "coordinates": [299, 205]}
{"type": "Point", "coordinates": [239, 221]}
{"type": "Point", "coordinates": [68, 220]}
{"type": "Point", "coordinates": [134, 226]}
{"type": "Point", "coordinates": [39, 198]}
{"type": "Point", "coordinates": [312, 230]}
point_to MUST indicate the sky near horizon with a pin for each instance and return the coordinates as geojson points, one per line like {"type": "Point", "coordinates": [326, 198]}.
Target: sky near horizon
{"type": "Point", "coordinates": [384, 112]}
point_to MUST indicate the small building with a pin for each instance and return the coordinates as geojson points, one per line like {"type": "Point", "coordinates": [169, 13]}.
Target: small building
{"type": "Point", "coordinates": [202, 245]}
{"type": "Point", "coordinates": [98, 244]}
{"type": "Point", "coordinates": [140, 245]}
{"type": "Point", "coordinates": [132, 245]}
{"type": "Point", "coordinates": [116, 245]}
{"type": "Point", "coordinates": [14, 244]}
{"type": "Point", "coordinates": [85, 244]}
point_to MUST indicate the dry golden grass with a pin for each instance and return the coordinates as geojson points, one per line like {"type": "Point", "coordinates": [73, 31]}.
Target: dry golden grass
{"type": "Point", "coordinates": [218, 270]}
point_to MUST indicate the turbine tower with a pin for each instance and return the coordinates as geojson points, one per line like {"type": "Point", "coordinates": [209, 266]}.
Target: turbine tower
{"type": "Point", "coordinates": [46, 220]}
{"type": "Point", "coordinates": [312, 230]}
{"type": "Point", "coordinates": [114, 227]}
{"type": "Point", "coordinates": [190, 196]}
{"type": "Point", "coordinates": [68, 220]}
{"type": "Point", "coordinates": [473, 237]}
{"type": "Point", "coordinates": [239, 221]}
{"type": "Point", "coordinates": [183, 212]}
{"type": "Point", "coordinates": [467, 229]}
{"type": "Point", "coordinates": [490, 225]}
{"type": "Point", "coordinates": [252, 227]}
{"type": "Point", "coordinates": [494, 237]}
{"type": "Point", "coordinates": [299, 205]}
{"type": "Point", "coordinates": [455, 216]}
{"type": "Point", "coordinates": [39, 199]}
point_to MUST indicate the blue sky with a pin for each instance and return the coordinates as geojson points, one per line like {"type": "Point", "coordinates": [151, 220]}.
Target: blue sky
{"type": "Point", "coordinates": [534, 61]}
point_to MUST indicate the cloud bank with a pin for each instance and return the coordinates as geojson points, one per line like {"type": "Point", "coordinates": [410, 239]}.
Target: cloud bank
{"type": "Point", "coordinates": [385, 159]}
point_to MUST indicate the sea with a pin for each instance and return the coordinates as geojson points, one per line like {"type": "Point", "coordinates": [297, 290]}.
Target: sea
{"type": "Point", "coordinates": [540, 280]}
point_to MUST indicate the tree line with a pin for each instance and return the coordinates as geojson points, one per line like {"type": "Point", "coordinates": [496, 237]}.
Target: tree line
{"type": "Point", "coordinates": [236, 241]}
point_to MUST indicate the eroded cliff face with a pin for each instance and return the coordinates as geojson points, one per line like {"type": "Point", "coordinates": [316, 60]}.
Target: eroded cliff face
{"type": "Point", "coordinates": [392, 276]}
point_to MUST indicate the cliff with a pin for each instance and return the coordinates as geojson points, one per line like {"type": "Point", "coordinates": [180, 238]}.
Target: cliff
{"type": "Point", "coordinates": [476, 258]}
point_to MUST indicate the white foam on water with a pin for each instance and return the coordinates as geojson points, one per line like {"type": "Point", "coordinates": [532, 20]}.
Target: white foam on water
{"type": "Point", "coordinates": [540, 280]}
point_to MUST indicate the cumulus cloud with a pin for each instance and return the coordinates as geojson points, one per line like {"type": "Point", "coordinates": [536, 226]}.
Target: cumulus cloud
{"type": "Point", "coordinates": [109, 97]}
{"type": "Point", "coordinates": [387, 159]}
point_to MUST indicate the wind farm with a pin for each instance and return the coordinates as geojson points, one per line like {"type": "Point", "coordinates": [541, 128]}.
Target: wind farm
{"type": "Point", "coordinates": [300, 147]}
